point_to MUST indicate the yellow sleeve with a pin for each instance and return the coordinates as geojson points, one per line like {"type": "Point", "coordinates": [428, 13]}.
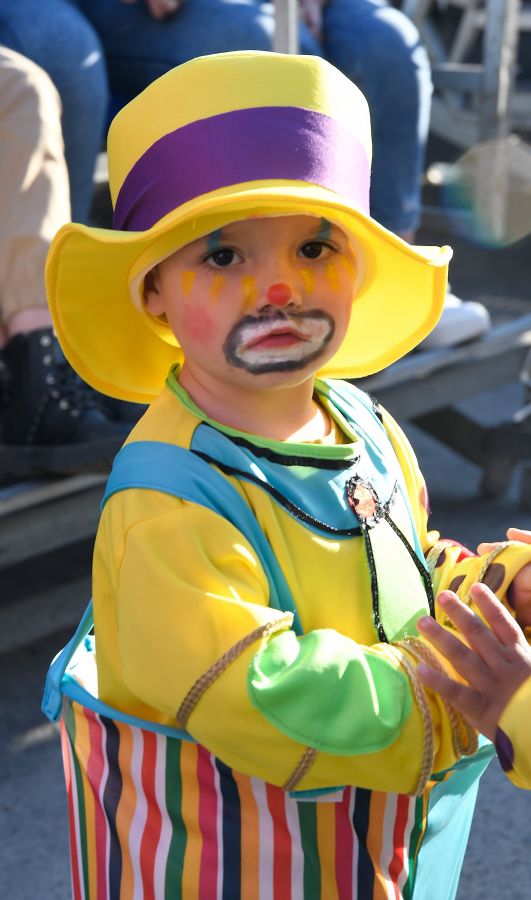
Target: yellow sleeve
{"type": "Point", "coordinates": [198, 644]}
{"type": "Point", "coordinates": [453, 566]}
{"type": "Point", "coordinates": [513, 737]}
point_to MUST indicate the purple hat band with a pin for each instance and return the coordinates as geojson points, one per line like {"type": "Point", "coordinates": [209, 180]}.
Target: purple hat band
{"type": "Point", "coordinates": [272, 142]}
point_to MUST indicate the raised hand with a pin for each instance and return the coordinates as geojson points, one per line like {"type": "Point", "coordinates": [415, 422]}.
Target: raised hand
{"type": "Point", "coordinates": [493, 666]}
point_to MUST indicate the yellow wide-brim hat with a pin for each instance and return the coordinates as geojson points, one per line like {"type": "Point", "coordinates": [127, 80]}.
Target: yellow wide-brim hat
{"type": "Point", "coordinates": [214, 141]}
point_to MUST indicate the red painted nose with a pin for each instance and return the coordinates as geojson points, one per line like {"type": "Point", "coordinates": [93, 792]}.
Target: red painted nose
{"type": "Point", "coordinates": [279, 294]}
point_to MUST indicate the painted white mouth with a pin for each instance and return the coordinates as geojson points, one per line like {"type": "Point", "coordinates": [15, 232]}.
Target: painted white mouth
{"type": "Point", "coordinates": [307, 340]}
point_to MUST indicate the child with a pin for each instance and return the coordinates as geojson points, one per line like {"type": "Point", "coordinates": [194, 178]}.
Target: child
{"type": "Point", "coordinates": [263, 553]}
{"type": "Point", "coordinates": [497, 667]}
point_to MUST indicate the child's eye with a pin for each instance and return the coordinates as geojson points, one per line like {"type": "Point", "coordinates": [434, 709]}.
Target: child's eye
{"type": "Point", "coordinates": [315, 249]}
{"type": "Point", "coordinates": [223, 258]}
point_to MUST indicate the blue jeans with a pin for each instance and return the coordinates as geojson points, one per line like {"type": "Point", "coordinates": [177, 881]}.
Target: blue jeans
{"type": "Point", "coordinates": [380, 51]}
{"type": "Point", "coordinates": [373, 44]}
{"type": "Point", "coordinates": [58, 38]}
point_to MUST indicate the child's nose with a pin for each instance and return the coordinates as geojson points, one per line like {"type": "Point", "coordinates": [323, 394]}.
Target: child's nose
{"type": "Point", "coordinates": [279, 294]}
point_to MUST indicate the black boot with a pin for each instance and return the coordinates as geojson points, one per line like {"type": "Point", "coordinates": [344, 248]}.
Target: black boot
{"type": "Point", "coordinates": [53, 423]}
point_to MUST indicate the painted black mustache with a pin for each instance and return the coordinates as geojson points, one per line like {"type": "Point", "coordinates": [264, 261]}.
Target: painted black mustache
{"type": "Point", "coordinates": [233, 340]}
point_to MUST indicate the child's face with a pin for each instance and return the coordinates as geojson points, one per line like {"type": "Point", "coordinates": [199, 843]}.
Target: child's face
{"type": "Point", "coordinates": [260, 303]}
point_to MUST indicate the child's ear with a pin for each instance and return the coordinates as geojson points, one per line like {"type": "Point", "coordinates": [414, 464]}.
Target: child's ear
{"type": "Point", "coordinates": [152, 297]}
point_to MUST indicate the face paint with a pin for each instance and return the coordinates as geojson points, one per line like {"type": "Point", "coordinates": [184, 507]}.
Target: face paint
{"type": "Point", "coordinates": [214, 240]}
{"type": "Point", "coordinates": [249, 290]}
{"type": "Point", "coordinates": [325, 231]}
{"type": "Point", "coordinates": [347, 264]}
{"type": "Point", "coordinates": [197, 323]}
{"type": "Point", "coordinates": [332, 276]}
{"type": "Point", "coordinates": [308, 280]}
{"type": "Point", "coordinates": [215, 288]}
{"type": "Point", "coordinates": [187, 281]}
{"type": "Point", "coordinates": [278, 343]}
{"type": "Point", "coordinates": [279, 294]}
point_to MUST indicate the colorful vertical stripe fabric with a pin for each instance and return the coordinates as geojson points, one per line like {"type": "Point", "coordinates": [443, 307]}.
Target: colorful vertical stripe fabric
{"type": "Point", "coordinates": [154, 818]}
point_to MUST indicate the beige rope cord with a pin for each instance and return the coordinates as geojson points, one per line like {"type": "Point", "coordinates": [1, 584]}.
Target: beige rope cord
{"type": "Point", "coordinates": [464, 737]}
{"type": "Point", "coordinates": [437, 549]}
{"type": "Point", "coordinates": [434, 554]}
{"type": "Point", "coordinates": [489, 559]}
{"type": "Point", "coordinates": [207, 678]}
{"type": "Point", "coordinates": [486, 563]}
{"type": "Point", "coordinates": [305, 763]}
{"type": "Point", "coordinates": [428, 753]}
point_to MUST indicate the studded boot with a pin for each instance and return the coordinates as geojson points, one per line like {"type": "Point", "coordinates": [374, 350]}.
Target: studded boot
{"type": "Point", "coordinates": [53, 423]}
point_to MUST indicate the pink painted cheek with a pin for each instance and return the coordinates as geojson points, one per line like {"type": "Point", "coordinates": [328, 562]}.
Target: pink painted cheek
{"type": "Point", "coordinates": [197, 324]}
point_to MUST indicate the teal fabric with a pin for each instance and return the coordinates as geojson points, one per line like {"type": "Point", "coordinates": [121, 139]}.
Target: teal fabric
{"type": "Point", "coordinates": [449, 817]}
{"type": "Point", "coordinates": [53, 689]}
{"type": "Point", "coordinates": [318, 490]}
{"type": "Point", "coordinates": [327, 692]}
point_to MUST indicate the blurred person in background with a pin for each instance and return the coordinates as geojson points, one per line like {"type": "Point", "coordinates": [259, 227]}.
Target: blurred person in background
{"type": "Point", "coordinates": [51, 421]}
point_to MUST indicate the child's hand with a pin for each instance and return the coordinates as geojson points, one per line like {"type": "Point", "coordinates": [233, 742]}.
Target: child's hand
{"type": "Point", "coordinates": [497, 662]}
{"type": "Point", "coordinates": [519, 593]}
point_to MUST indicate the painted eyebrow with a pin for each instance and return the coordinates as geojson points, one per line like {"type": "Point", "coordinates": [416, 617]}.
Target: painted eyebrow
{"type": "Point", "coordinates": [325, 230]}
{"type": "Point", "coordinates": [214, 240]}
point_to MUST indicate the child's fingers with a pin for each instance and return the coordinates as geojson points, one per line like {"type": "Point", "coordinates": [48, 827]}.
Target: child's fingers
{"type": "Point", "coordinates": [467, 663]}
{"type": "Point", "coordinates": [487, 547]}
{"type": "Point", "coordinates": [464, 698]}
{"type": "Point", "coordinates": [513, 534]}
{"type": "Point", "coordinates": [499, 620]}
{"type": "Point", "coordinates": [475, 632]}
{"type": "Point", "coordinates": [519, 534]}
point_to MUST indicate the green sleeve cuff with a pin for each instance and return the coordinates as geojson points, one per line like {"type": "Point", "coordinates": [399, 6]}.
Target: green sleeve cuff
{"type": "Point", "coordinates": [327, 692]}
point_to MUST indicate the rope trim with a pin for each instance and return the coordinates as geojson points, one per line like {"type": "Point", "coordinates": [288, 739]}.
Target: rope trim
{"type": "Point", "coordinates": [305, 763]}
{"type": "Point", "coordinates": [433, 555]}
{"type": "Point", "coordinates": [464, 737]}
{"type": "Point", "coordinates": [467, 598]}
{"type": "Point", "coordinates": [489, 559]}
{"type": "Point", "coordinates": [428, 752]}
{"type": "Point", "coordinates": [207, 678]}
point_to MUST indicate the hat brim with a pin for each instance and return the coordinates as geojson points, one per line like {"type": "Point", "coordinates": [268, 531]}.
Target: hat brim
{"type": "Point", "coordinates": [92, 275]}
